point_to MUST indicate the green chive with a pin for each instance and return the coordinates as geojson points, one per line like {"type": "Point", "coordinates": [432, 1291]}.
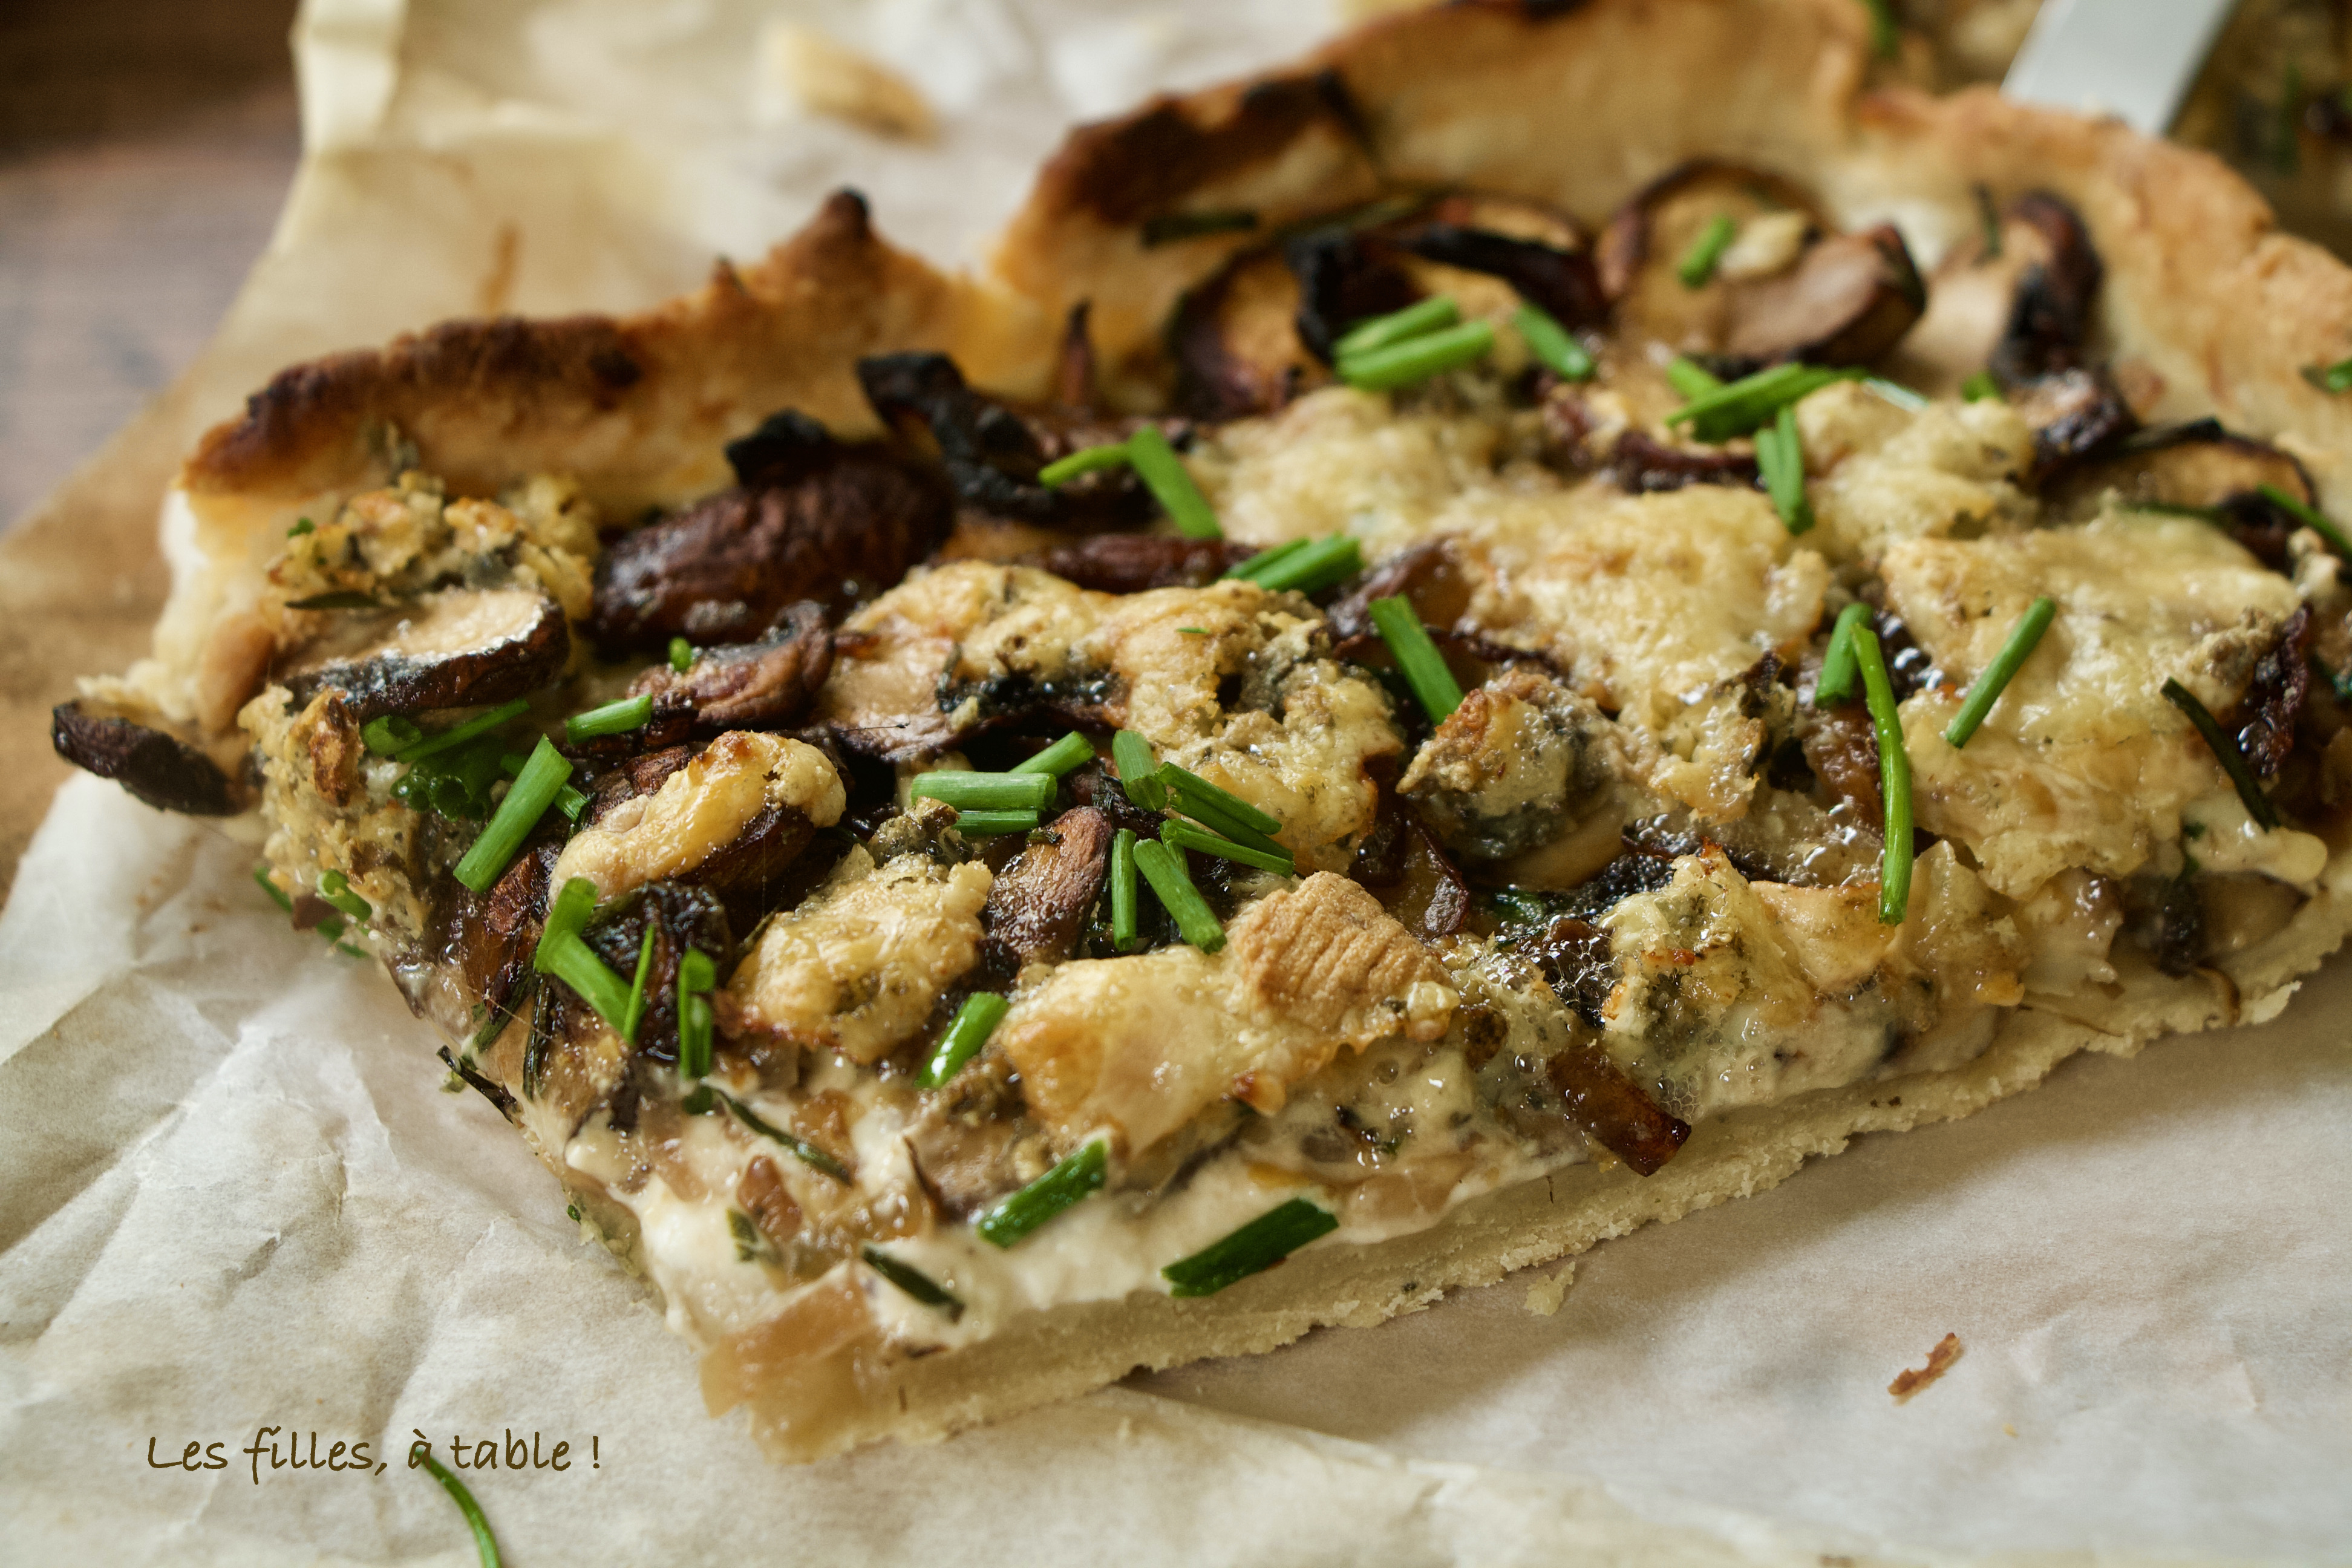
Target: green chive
{"type": "Point", "coordinates": [2225, 751]}
{"type": "Point", "coordinates": [571, 960]}
{"type": "Point", "coordinates": [1085, 461]}
{"type": "Point", "coordinates": [1697, 265]}
{"type": "Point", "coordinates": [697, 972]}
{"type": "Point", "coordinates": [568, 912]}
{"type": "Point", "coordinates": [995, 824]}
{"type": "Point", "coordinates": [1553, 344]}
{"type": "Point", "coordinates": [568, 801]}
{"type": "Point", "coordinates": [1323, 563]}
{"type": "Point", "coordinates": [1164, 868]}
{"type": "Point", "coordinates": [1071, 751]}
{"type": "Point", "coordinates": [974, 1022]}
{"type": "Point", "coordinates": [276, 894]}
{"type": "Point", "coordinates": [1139, 770]}
{"type": "Point", "coordinates": [1225, 824]}
{"type": "Point", "coordinates": [2309, 516]}
{"type": "Point", "coordinates": [1741, 407]}
{"type": "Point", "coordinates": [912, 1281]}
{"type": "Point", "coordinates": [1417, 359]}
{"type": "Point", "coordinates": [1166, 228]}
{"type": "Point", "coordinates": [1253, 1249]}
{"type": "Point", "coordinates": [710, 1096]}
{"type": "Point", "coordinates": [1691, 378]}
{"type": "Point", "coordinates": [633, 1011]}
{"type": "Point", "coordinates": [1122, 888]}
{"type": "Point", "coordinates": [1164, 475]}
{"type": "Point", "coordinates": [2332, 379]}
{"type": "Point", "coordinates": [1886, 37]}
{"type": "Point", "coordinates": [1424, 667]}
{"type": "Point", "coordinates": [1048, 1195]}
{"type": "Point", "coordinates": [1194, 790]}
{"type": "Point", "coordinates": [1997, 675]}
{"type": "Point", "coordinates": [1838, 670]}
{"type": "Point", "coordinates": [1893, 778]}
{"type": "Point", "coordinates": [1265, 560]}
{"type": "Point", "coordinates": [1382, 331]}
{"type": "Point", "coordinates": [1981, 388]}
{"type": "Point", "coordinates": [476, 1520]}
{"type": "Point", "coordinates": [1780, 457]}
{"type": "Point", "coordinates": [613, 719]}
{"type": "Point", "coordinates": [992, 791]}
{"type": "Point", "coordinates": [336, 888]}
{"type": "Point", "coordinates": [1988, 227]}
{"type": "Point", "coordinates": [1183, 835]}
{"type": "Point", "coordinates": [681, 655]}
{"type": "Point", "coordinates": [390, 734]}
{"type": "Point", "coordinates": [481, 724]}
{"type": "Point", "coordinates": [1895, 392]}
{"type": "Point", "coordinates": [302, 525]}
{"type": "Point", "coordinates": [527, 801]}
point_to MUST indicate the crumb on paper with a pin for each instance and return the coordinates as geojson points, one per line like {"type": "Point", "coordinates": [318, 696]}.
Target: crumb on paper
{"type": "Point", "coordinates": [831, 79]}
{"type": "Point", "coordinates": [1545, 1295]}
{"type": "Point", "coordinates": [2007, 1430]}
{"type": "Point", "coordinates": [1939, 1362]}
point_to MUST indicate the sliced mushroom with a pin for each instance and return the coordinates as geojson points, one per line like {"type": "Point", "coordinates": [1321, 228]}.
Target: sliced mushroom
{"type": "Point", "coordinates": [2075, 413]}
{"type": "Point", "coordinates": [1848, 299]}
{"type": "Point", "coordinates": [1039, 904]}
{"type": "Point", "coordinates": [991, 452]}
{"type": "Point", "coordinates": [1563, 282]}
{"type": "Point", "coordinates": [973, 1143]}
{"type": "Point", "coordinates": [473, 970]}
{"type": "Point", "coordinates": [2264, 718]}
{"type": "Point", "coordinates": [846, 523]}
{"type": "Point", "coordinates": [1642, 466]}
{"type": "Point", "coordinates": [2197, 464]}
{"type": "Point", "coordinates": [2042, 359]}
{"type": "Point", "coordinates": [1410, 873]}
{"type": "Point", "coordinates": [166, 772]}
{"type": "Point", "coordinates": [681, 918]}
{"type": "Point", "coordinates": [763, 685]}
{"type": "Point", "coordinates": [1136, 563]}
{"type": "Point", "coordinates": [461, 648]}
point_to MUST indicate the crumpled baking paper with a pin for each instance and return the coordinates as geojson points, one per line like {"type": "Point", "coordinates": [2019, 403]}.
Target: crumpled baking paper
{"type": "Point", "coordinates": [237, 1210]}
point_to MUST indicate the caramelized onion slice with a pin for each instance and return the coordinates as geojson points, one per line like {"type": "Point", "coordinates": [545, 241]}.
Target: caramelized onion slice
{"type": "Point", "coordinates": [1612, 1110]}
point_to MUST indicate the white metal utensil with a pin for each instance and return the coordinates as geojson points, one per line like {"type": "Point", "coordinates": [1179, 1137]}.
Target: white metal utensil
{"type": "Point", "coordinates": [2131, 58]}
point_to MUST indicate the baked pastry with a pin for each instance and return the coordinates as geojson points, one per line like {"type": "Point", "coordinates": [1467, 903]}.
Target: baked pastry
{"type": "Point", "coordinates": [1497, 637]}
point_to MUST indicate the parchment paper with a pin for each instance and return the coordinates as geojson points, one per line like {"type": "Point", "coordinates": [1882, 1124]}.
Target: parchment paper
{"type": "Point", "coordinates": [232, 1196]}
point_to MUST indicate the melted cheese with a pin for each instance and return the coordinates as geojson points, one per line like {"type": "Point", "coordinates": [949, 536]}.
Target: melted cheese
{"type": "Point", "coordinates": [699, 810]}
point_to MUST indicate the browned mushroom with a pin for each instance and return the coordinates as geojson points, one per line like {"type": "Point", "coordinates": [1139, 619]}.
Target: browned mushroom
{"type": "Point", "coordinates": [166, 772]}
{"type": "Point", "coordinates": [2195, 464]}
{"type": "Point", "coordinates": [460, 647]}
{"type": "Point", "coordinates": [1411, 874]}
{"type": "Point", "coordinates": [680, 918]}
{"type": "Point", "coordinates": [1849, 298]}
{"type": "Point", "coordinates": [1133, 562]}
{"type": "Point", "coordinates": [973, 1141]}
{"type": "Point", "coordinates": [763, 685]}
{"type": "Point", "coordinates": [1038, 906]}
{"type": "Point", "coordinates": [2042, 359]}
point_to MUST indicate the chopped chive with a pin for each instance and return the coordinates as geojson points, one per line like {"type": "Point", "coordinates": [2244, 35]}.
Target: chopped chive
{"type": "Point", "coordinates": [1417, 359]}
{"type": "Point", "coordinates": [1266, 559]}
{"type": "Point", "coordinates": [1988, 225]}
{"type": "Point", "coordinates": [634, 1011]}
{"type": "Point", "coordinates": [708, 1097]}
{"type": "Point", "coordinates": [1192, 788]}
{"type": "Point", "coordinates": [389, 734]}
{"type": "Point", "coordinates": [568, 801]}
{"type": "Point", "coordinates": [1691, 378]}
{"type": "Point", "coordinates": [1895, 392]}
{"type": "Point", "coordinates": [1424, 667]}
{"type": "Point", "coordinates": [995, 824]}
{"type": "Point", "coordinates": [1323, 563]}
{"type": "Point", "coordinates": [568, 911]}
{"type": "Point", "coordinates": [1225, 824]}
{"type": "Point", "coordinates": [347, 950]}
{"type": "Point", "coordinates": [974, 1022]}
{"type": "Point", "coordinates": [1193, 631]}
{"type": "Point", "coordinates": [681, 655]}
{"type": "Point", "coordinates": [1741, 407]}
{"type": "Point", "coordinates": [1166, 228]}
{"type": "Point", "coordinates": [1059, 1188]}
{"type": "Point", "coordinates": [2332, 379]}
{"type": "Point", "coordinates": [1183, 835]}
{"type": "Point", "coordinates": [1894, 777]}
{"type": "Point", "coordinates": [336, 888]}
{"type": "Point", "coordinates": [348, 599]}
{"type": "Point", "coordinates": [1698, 263]}
{"type": "Point", "coordinates": [1085, 461]}
{"type": "Point", "coordinates": [1164, 868]}
{"type": "Point", "coordinates": [1997, 675]}
{"type": "Point", "coordinates": [1553, 345]}
{"type": "Point", "coordinates": [1981, 388]}
{"type": "Point", "coordinates": [2309, 516]}
{"type": "Point", "coordinates": [910, 1279]}
{"type": "Point", "coordinates": [1071, 751]}
{"type": "Point", "coordinates": [1163, 473]}
{"type": "Point", "coordinates": [302, 525]}
{"type": "Point", "coordinates": [568, 958]}
{"type": "Point", "coordinates": [1139, 770]}
{"type": "Point", "coordinates": [697, 972]}
{"type": "Point", "coordinates": [1886, 37]}
{"type": "Point", "coordinates": [1253, 1249]}
{"type": "Point", "coordinates": [480, 724]}
{"type": "Point", "coordinates": [1780, 458]}
{"type": "Point", "coordinates": [1414, 321]}
{"type": "Point", "coordinates": [527, 801]}
{"type": "Point", "coordinates": [485, 1543]}
{"type": "Point", "coordinates": [613, 719]}
{"type": "Point", "coordinates": [2225, 751]}
{"type": "Point", "coordinates": [276, 894]}
{"type": "Point", "coordinates": [1838, 668]}
{"type": "Point", "coordinates": [1123, 890]}
{"type": "Point", "coordinates": [992, 791]}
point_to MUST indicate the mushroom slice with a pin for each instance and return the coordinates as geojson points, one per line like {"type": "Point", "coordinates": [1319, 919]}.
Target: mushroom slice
{"type": "Point", "coordinates": [1038, 907]}
{"type": "Point", "coordinates": [763, 685]}
{"type": "Point", "coordinates": [156, 766]}
{"type": "Point", "coordinates": [461, 648]}
{"type": "Point", "coordinates": [1539, 252]}
{"type": "Point", "coordinates": [831, 522]}
{"type": "Point", "coordinates": [2200, 465]}
{"type": "Point", "coordinates": [1848, 299]}
{"type": "Point", "coordinates": [1137, 562]}
{"type": "Point", "coordinates": [973, 1143]}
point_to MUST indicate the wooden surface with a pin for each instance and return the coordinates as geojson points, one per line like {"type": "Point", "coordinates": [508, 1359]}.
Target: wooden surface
{"type": "Point", "coordinates": [144, 148]}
